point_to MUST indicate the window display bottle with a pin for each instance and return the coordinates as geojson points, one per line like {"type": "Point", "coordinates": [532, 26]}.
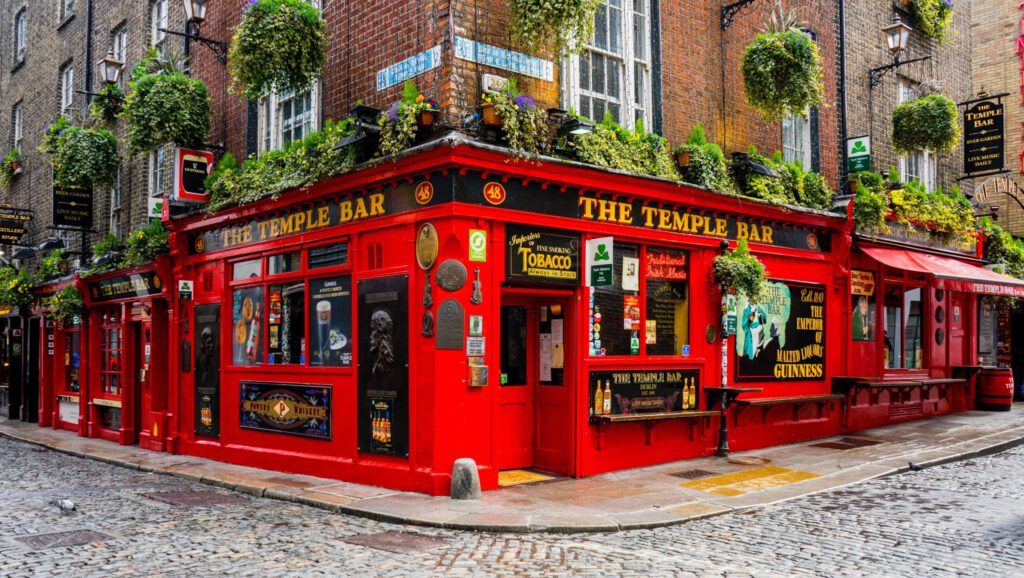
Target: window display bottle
{"type": "Point", "coordinates": [599, 399]}
{"type": "Point", "coordinates": [608, 397]}
{"type": "Point", "coordinates": [693, 393]}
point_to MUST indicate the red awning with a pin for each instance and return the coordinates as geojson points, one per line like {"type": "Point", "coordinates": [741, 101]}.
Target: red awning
{"type": "Point", "coordinates": [949, 274]}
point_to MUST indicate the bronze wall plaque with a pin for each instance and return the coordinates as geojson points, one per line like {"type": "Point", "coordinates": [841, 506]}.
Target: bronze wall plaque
{"type": "Point", "coordinates": [451, 325]}
{"type": "Point", "coordinates": [451, 275]}
{"type": "Point", "coordinates": [426, 246]}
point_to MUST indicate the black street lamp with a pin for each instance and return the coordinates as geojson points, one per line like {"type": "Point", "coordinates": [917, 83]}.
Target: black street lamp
{"type": "Point", "coordinates": [110, 68]}
{"type": "Point", "coordinates": [897, 35]}
{"type": "Point", "coordinates": [195, 15]}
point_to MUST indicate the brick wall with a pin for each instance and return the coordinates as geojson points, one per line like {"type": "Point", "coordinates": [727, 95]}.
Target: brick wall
{"type": "Point", "coordinates": [996, 68]}
{"type": "Point", "coordinates": [869, 111]}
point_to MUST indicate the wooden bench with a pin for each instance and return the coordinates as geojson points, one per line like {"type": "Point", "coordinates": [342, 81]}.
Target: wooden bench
{"type": "Point", "coordinates": [650, 420]}
{"type": "Point", "coordinates": [765, 403]}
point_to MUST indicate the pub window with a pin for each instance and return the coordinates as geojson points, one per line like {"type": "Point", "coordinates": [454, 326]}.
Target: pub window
{"type": "Point", "coordinates": [72, 360]}
{"type": "Point", "coordinates": [667, 325]}
{"type": "Point", "coordinates": [110, 352]}
{"type": "Point", "coordinates": [67, 89]}
{"type": "Point", "coordinates": [246, 326]}
{"type": "Point", "coordinates": [796, 140]}
{"type": "Point", "coordinates": [157, 23]}
{"type": "Point", "coordinates": [18, 125]}
{"type": "Point", "coordinates": [904, 331]}
{"type": "Point", "coordinates": [246, 269]}
{"type": "Point", "coordinates": [616, 307]}
{"type": "Point", "coordinates": [286, 324]}
{"type": "Point", "coordinates": [20, 35]}
{"type": "Point", "coordinates": [328, 256]}
{"type": "Point", "coordinates": [119, 45]}
{"type": "Point", "coordinates": [283, 263]}
{"type": "Point", "coordinates": [920, 167]}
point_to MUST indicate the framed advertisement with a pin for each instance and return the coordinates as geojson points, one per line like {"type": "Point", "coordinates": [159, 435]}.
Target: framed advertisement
{"type": "Point", "coordinates": [782, 336]}
{"type": "Point", "coordinates": [330, 323]}
{"type": "Point", "coordinates": [289, 408]}
{"type": "Point", "coordinates": [190, 171]}
{"type": "Point", "coordinates": [384, 365]}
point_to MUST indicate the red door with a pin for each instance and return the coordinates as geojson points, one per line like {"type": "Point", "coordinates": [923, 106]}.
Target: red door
{"type": "Point", "coordinates": [536, 378]}
{"type": "Point", "coordinates": [957, 322]}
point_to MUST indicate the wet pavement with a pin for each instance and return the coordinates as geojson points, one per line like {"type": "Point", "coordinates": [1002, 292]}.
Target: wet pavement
{"type": "Point", "coordinates": [959, 519]}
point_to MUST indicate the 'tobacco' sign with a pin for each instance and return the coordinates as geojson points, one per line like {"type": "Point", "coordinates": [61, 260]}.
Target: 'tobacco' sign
{"type": "Point", "coordinates": [190, 170]}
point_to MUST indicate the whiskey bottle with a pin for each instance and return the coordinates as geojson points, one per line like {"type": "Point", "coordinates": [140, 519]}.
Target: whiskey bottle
{"type": "Point", "coordinates": [693, 392]}
{"type": "Point", "coordinates": [599, 399]}
{"type": "Point", "coordinates": [608, 397]}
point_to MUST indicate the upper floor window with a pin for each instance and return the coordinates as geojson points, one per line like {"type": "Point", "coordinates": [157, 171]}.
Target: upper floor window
{"type": "Point", "coordinates": [18, 124]}
{"type": "Point", "coordinates": [288, 117]}
{"type": "Point", "coordinates": [67, 89]}
{"type": "Point", "coordinates": [67, 8]}
{"type": "Point", "coordinates": [796, 140]}
{"type": "Point", "coordinates": [20, 35]}
{"type": "Point", "coordinates": [119, 45]}
{"type": "Point", "coordinates": [116, 202]}
{"type": "Point", "coordinates": [157, 22]}
{"type": "Point", "coordinates": [921, 166]}
{"type": "Point", "coordinates": [613, 74]}
{"type": "Point", "coordinates": [157, 172]}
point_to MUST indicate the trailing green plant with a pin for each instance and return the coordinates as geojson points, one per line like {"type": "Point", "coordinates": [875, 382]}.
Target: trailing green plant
{"type": "Point", "coordinates": [7, 167]}
{"type": "Point", "coordinates": [52, 266]}
{"type": "Point", "coordinates": [740, 271]}
{"type": "Point", "coordinates": [280, 45]}
{"type": "Point", "coordinates": [563, 25]}
{"type": "Point", "coordinates": [947, 213]}
{"type": "Point", "coordinates": [637, 151]}
{"type": "Point", "coordinates": [793, 186]}
{"type": "Point", "coordinates": [782, 70]}
{"type": "Point", "coordinates": [107, 245]}
{"type": "Point", "coordinates": [107, 104]}
{"type": "Point", "coordinates": [66, 305]}
{"type": "Point", "coordinates": [301, 164]}
{"type": "Point", "coordinates": [932, 17]}
{"type": "Point", "coordinates": [145, 244]}
{"type": "Point", "coordinates": [52, 135]}
{"type": "Point", "coordinates": [707, 166]}
{"type": "Point", "coordinates": [85, 157]}
{"type": "Point", "coordinates": [1002, 247]}
{"type": "Point", "coordinates": [926, 123]}
{"type": "Point", "coordinates": [523, 123]}
{"type": "Point", "coordinates": [816, 193]}
{"type": "Point", "coordinates": [165, 105]}
{"type": "Point", "coordinates": [869, 208]}
{"type": "Point", "coordinates": [15, 287]}
{"type": "Point", "coordinates": [398, 124]}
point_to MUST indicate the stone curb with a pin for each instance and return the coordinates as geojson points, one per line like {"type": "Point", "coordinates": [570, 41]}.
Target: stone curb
{"type": "Point", "coordinates": [274, 493]}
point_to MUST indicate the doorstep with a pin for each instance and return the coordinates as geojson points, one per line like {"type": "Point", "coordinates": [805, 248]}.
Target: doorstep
{"type": "Point", "coordinates": [648, 497]}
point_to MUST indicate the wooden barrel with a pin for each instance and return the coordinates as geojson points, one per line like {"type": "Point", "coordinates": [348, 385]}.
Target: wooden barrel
{"type": "Point", "coordinates": [995, 389]}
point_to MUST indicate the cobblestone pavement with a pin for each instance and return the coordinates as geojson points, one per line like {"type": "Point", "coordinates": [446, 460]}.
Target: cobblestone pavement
{"type": "Point", "coordinates": [962, 519]}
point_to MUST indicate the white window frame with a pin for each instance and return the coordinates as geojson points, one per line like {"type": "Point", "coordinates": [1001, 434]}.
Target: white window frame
{"type": "Point", "coordinates": [67, 89]}
{"type": "Point", "coordinates": [271, 129]}
{"type": "Point", "coordinates": [20, 35]}
{"type": "Point", "coordinates": [116, 203]}
{"type": "Point", "coordinates": [119, 46]}
{"type": "Point", "coordinates": [796, 140]}
{"type": "Point", "coordinates": [157, 172]}
{"type": "Point", "coordinates": [19, 124]}
{"type": "Point", "coordinates": [922, 166]}
{"type": "Point", "coordinates": [157, 20]}
{"type": "Point", "coordinates": [630, 102]}
{"type": "Point", "coordinates": [67, 8]}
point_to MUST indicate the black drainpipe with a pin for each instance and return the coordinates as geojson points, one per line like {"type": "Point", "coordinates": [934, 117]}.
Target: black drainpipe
{"type": "Point", "coordinates": [88, 46]}
{"type": "Point", "coordinates": [843, 176]}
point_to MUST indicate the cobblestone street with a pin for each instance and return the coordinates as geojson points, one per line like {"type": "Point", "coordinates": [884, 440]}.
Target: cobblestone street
{"type": "Point", "coordinates": [962, 519]}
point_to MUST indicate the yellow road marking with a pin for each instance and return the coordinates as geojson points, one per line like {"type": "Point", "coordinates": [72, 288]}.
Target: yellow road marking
{"type": "Point", "coordinates": [514, 477]}
{"type": "Point", "coordinates": [752, 480]}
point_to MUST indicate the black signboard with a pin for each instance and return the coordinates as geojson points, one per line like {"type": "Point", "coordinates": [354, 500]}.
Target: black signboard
{"type": "Point", "coordinates": [13, 223]}
{"type": "Point", "coordinates": [905, 234]}
{"type": "Point", "coordinates": [781, 337]}
{"type": "Point", "coordinates": [290, 408]}
{"type": "Point", "coordinates": [72, 207]}
{"type": "Point", "coordinates": [644, 391]}
{"type": "Point", "coordinates": [384, 365]}
{"type": "Point", "coordinates": [537, 255]}
{"type": "Point", "coordinates": [330, 323]}
{"type": "Point", "coordinates": [983, 138]}
{"type": "Point", "coordinates": [134, 285]}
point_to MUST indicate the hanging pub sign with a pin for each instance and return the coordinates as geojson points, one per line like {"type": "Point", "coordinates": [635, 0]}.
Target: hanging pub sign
{"type": "Point", "coordinates": [296, 409]}
{"type": "Point", "coordinates": [383, 374]}
{"type": "Point", "coordinates": [72, 207]}
{"type": "Point", "coordinates": [539, 255]}
{"type": "Point", "coordinates": [134, 285]}
{"type": "Point", "coordinates": [983, 138]}
{"type": "Point", "coordinates": [13, 224]}
{"type": "Point", "coordinates": [782, 336]}
{"type": "Point", "coordinates": [190, 171]}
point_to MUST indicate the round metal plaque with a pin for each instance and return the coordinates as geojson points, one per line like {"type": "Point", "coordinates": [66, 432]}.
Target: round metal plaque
{"type": "Point", "coordinates": [710, 333]}
{"type": "Point", "coordinates": [426, 246]}
{"type": "Point", "coordinates": [451, 275]}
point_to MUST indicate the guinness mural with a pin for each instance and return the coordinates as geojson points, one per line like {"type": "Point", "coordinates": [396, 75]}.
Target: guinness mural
{"type": "Point", "coordinates": [782, 336]}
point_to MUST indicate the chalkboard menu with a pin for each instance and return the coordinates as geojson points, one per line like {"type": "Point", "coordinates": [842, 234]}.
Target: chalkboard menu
{"type": "Point", "coordinates": [644, 391]}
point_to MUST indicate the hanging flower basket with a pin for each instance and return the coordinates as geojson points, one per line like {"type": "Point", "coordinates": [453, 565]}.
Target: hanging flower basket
{"type": "Point", "coordinates": [86, 158]}
{"type": "Point", "coordinates": [782, 71]}
{"type": "Point", "coordinates": [66, 305]}
{"type": "Point", "coordinates": [565, 26]}
{"type": "Point", "coordinates": [927, 123]}
{"type": "Point", "coordinates": [931, 17]}
{"type": "Point", "coordinates": [740, 271]}
{"type": "Point", "coordinates": [280, 45]}
{"type": "Point", "coordinates": [10, 166]}
{"type": "Point", "coordinates": [165, 106]}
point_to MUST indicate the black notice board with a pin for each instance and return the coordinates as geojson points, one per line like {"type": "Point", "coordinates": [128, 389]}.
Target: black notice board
{"type": "Point", "coordinates": [72, 207]}
{"type": "Point", "coordinates": [383, 344]}
{"type": "Point", "coordinates": [984, 138]}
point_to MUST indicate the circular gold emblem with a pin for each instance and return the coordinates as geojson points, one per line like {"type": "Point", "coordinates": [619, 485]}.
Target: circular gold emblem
{"type": "Point", "coordinates": [495, 193]}
{"type": "Point", "coordinates": [812, 241]}
{"type": "Point", "coordinates": [424, 192]}
{"type": "Point", "coordinates": [200, 244]}
{"type": "Point", "coordinates": [426, 246]}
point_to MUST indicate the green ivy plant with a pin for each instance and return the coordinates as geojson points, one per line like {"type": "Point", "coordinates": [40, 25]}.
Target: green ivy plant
{"type": "Point", "coordinates": [145, 244]}
{"type": "Point", "coordinates": [301, 164]}
{"type": "Point", "coordinates": [523, 123]}
{"type": "Point", "coordinates": [794, 186]}
{"type": "Point", "coordinates": [946, 213]}
{"type": "Point", "coordinates": [1002, 247]}
{"type": "Point", "coordinates": [52, 266]}
{"type": "Point", "coordinates": [869, 207]}
{"type": "Point", "coordinates": [53, 134]}
{"type": "Point", "coordinates": [637, 151]}
{"type": "Point", "coordinates": [15, 287]}
{"type": "Point", "coordinates": [927, 123]}
{"type": "Point", "coordinates": [165, 106]}
{"type": "Point", "coordinates": [7, 167]}
{"type": "Point", "coordinates": [564, 25]}
{"type": "Point", "coordinates": [66, 305]}
{"type": "Point", "coordinates": [85, 157]}
{"type": "Point", "coordinates": [740, 271]}
{"type": "Point", "coordinates": [782, 70]}
{"type": "Point", "coordinates": [707, 166]}
{"type": "Point", "coordinates": [107, 104]}
{"type": "Point", "coordinates": [399, 122]}
{"type": "Point", "coordinates": [932, 17]}
{"type": "Point", "coordinates": [280, 45]}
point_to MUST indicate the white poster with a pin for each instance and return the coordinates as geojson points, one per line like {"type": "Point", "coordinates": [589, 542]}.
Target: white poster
{"type": "Point", "coordinates": [545, 357]}
{"type": "Point", "coordinates": [630, 274]}
{"type": "Point", "coordinates": [557, 330]}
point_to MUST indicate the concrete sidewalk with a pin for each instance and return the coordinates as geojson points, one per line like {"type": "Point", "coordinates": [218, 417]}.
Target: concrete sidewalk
{"type": "Point", "coordinates": [641, 498]}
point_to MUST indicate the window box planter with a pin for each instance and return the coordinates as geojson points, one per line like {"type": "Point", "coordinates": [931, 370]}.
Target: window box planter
{"type": "Point", "coordinates": [425, 118]}
{"type": "Point", "coordinates": [490, 115]}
